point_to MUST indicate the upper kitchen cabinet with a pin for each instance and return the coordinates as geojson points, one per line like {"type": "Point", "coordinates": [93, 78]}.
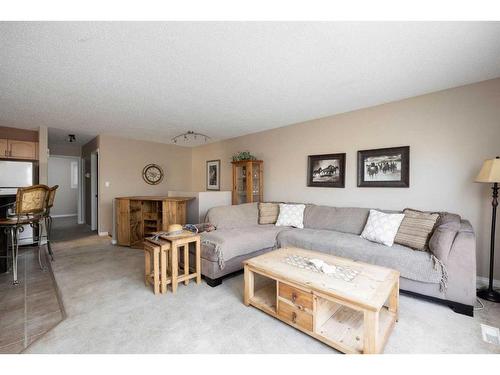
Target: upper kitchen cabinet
{"type": "Point", "coordinates": [20, 144]}
{"type": "Point", "coordinates": [4, 148]}
{"type": "Point", "coordinates": [23, 149]}
{"type": "Point", "coordinates": [13, 149]}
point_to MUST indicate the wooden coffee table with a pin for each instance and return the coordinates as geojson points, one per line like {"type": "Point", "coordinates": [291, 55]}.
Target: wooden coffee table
{"type": "Point", "coordinates": [353, 311]}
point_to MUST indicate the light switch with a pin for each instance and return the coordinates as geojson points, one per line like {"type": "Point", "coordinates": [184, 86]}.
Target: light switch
{"type": "Point", "coordinates": [106, 184]}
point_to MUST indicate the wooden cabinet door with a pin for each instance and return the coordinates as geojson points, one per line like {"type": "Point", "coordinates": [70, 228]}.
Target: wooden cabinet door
{"type": "Point", "coordinates": [22, 150]}
{"type": "Point", "coordinates": [3, 148]}
{"type": "Point", "coordinates": [123, 221]}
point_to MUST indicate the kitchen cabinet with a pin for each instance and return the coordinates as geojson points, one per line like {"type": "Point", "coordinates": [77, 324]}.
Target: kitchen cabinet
{"type": "Point", "coordinates": [13, 149]}
{"type": "Point", "coordinates": [4, 148]}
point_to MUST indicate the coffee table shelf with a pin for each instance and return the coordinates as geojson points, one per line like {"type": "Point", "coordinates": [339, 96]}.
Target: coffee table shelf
{"type": "Point", "coordinates": [345, 328]}
{"type": "Point", "coordinates": [265, 298]}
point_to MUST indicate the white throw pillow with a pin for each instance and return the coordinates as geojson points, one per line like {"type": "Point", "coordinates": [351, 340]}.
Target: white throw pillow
{"type": "Point", "coordinates": [291, 215]}
{"type": "Point", "coordinates": [381, 227]}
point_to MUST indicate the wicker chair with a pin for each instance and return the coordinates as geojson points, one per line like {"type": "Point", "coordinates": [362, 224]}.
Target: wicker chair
{"type": "Point", "coordinates": [30, 209]}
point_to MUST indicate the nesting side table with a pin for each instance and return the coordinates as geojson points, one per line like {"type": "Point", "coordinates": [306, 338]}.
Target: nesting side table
{"type": "Point", "coordinates": [164, 253]}
{"type": "Point", "coordinates": [181, 242]}
{"type": "Point", "coordinates": [156, 252]}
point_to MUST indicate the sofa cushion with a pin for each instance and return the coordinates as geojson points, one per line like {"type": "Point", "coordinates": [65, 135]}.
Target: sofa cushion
{"type": "Point", "coordinates": [414, 265]}
{"type": "Point", "coordinates": [381, 227]}
{"type": "Point", "coordinates": [416, 229]}
{"type": "Point", "coordinates": [341, 219]}
{"type": "Point", "coordinates": [222, 245]}
{"type": "Point", "coordinates": [237, 216]}
{"type": "Point", "coordinates": [291, 215]}
{"type": "Point", "coordinates": [268, 213]}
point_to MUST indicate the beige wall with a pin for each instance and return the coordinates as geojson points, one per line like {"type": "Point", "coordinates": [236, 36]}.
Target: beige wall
{"type": "Point", "coordinates": [43, 154]}
{"type": "Point", "coordinates": [449, 132]}
{"type": "Point", "coordinates": [65, 149]}
{"type": "Point", "coordinates": [18, 134]}
{"type": "Point", "coordinates": [121, 162]}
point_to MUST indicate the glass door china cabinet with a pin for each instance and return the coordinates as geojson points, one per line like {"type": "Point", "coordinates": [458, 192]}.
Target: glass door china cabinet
{"type": "Point", "coordinates": [247, 181]}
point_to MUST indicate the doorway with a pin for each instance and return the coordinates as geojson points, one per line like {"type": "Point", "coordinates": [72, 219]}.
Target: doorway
{"type": "Point", "coordinates": [65, 172]}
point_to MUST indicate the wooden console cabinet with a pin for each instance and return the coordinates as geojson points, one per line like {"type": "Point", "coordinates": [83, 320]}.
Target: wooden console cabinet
{"type": "Point", "coordinates": [137, 217]}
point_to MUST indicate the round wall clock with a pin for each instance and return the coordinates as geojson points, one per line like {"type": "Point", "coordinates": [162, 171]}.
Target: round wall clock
{"type": "Point", "coordinates": [152, 174]}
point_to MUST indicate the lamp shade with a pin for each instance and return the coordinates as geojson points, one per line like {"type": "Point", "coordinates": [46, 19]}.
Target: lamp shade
{"type": "Point", "coordinates": [490, 171]}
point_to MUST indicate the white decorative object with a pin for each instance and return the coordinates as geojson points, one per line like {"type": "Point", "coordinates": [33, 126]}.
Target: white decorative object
{"type": "Point", "coordinates": [318, 265]}
{"type": "Point", "coordinates": [291, 215]}
{"type": "Point", "coordinates": [322, 266]}
{"type": "Point", "coordinates": [381, 227]}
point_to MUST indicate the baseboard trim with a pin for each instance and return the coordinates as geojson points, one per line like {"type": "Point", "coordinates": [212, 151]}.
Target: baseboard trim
{"type": "Point", "coordinates": [103, 234]}
{"type": "Point", "coordinates": [457, 307]}
{"type": "Point", "coordinates": [64, 215]}
{"type": "Point", "coordinates": [483, 281]}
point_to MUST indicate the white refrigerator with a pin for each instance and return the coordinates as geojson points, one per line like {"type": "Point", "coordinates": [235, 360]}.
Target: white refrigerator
{"type": "Point", "coordinates": [13, 175]}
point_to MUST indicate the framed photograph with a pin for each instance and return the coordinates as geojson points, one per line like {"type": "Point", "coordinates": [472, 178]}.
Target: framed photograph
{"type": "Point", "coordinates": [384, 167]}
{"type": "Point", "coordinates": [213, 175]}
{"type": "Point", "coordinates": [326, 170]}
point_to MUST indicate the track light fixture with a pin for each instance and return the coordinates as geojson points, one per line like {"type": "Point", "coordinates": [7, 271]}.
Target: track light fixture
{"type": "Point", "coordinates": [190, 135]}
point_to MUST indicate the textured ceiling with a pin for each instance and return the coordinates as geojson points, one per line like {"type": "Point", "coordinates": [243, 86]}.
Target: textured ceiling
{"type": "Point", "coordinates": [155, 80]}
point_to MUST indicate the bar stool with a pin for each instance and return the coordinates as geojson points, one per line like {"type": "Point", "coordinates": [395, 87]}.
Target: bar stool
{"type": "Point", "coordinates": [30, 207]}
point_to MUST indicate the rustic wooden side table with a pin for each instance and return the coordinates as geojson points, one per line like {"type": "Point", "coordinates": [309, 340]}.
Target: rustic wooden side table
{"type": "Point", "coordinates": [177, 243]}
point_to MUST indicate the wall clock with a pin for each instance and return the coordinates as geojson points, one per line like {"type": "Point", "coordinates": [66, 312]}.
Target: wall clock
{"type": "Point", "coordinates": [152, 174]}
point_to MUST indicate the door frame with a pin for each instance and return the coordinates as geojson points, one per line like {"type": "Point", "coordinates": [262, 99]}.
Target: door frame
{"type": "Point", "coordinates": [94, 189]}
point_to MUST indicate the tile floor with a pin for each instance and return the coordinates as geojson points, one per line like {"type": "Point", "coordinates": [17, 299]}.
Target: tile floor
{"type": "Point", "coordinates": [30, 309]}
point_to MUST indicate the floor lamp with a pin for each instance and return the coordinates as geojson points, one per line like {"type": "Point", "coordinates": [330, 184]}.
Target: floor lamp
{"type": "Point", "coordinates": [490, 173]}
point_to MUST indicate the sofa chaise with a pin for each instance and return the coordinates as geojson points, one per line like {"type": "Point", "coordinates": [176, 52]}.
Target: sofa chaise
{"type": "Point", "coordinates": [445, 274]}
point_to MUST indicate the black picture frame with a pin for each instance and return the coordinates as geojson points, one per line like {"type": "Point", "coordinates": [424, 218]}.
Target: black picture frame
{"type": "Point", "coordinates": [314, 159]}
{"type": "Point", "coordinates": [213, 186]}
{"type": "Point", "coordinates": [390, 153]}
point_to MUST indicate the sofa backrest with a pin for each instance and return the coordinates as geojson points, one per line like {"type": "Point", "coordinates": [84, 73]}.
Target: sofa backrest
{"type": "Point", "coordinates": [237, 216]}
{"type": "Point", "coordinates": [340, 219]}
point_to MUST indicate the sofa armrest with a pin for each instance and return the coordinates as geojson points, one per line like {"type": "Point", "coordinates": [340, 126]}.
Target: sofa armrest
{"type": "Point", "coordinates": [461, 266]}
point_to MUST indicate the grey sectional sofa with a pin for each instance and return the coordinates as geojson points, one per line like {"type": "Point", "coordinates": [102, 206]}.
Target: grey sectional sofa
{"type": "Point", "coordinates": [446, 274]}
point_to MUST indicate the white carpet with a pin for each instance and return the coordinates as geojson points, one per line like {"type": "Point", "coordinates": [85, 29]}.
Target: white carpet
{"type": "Point", "coordinates": [109, 310]}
